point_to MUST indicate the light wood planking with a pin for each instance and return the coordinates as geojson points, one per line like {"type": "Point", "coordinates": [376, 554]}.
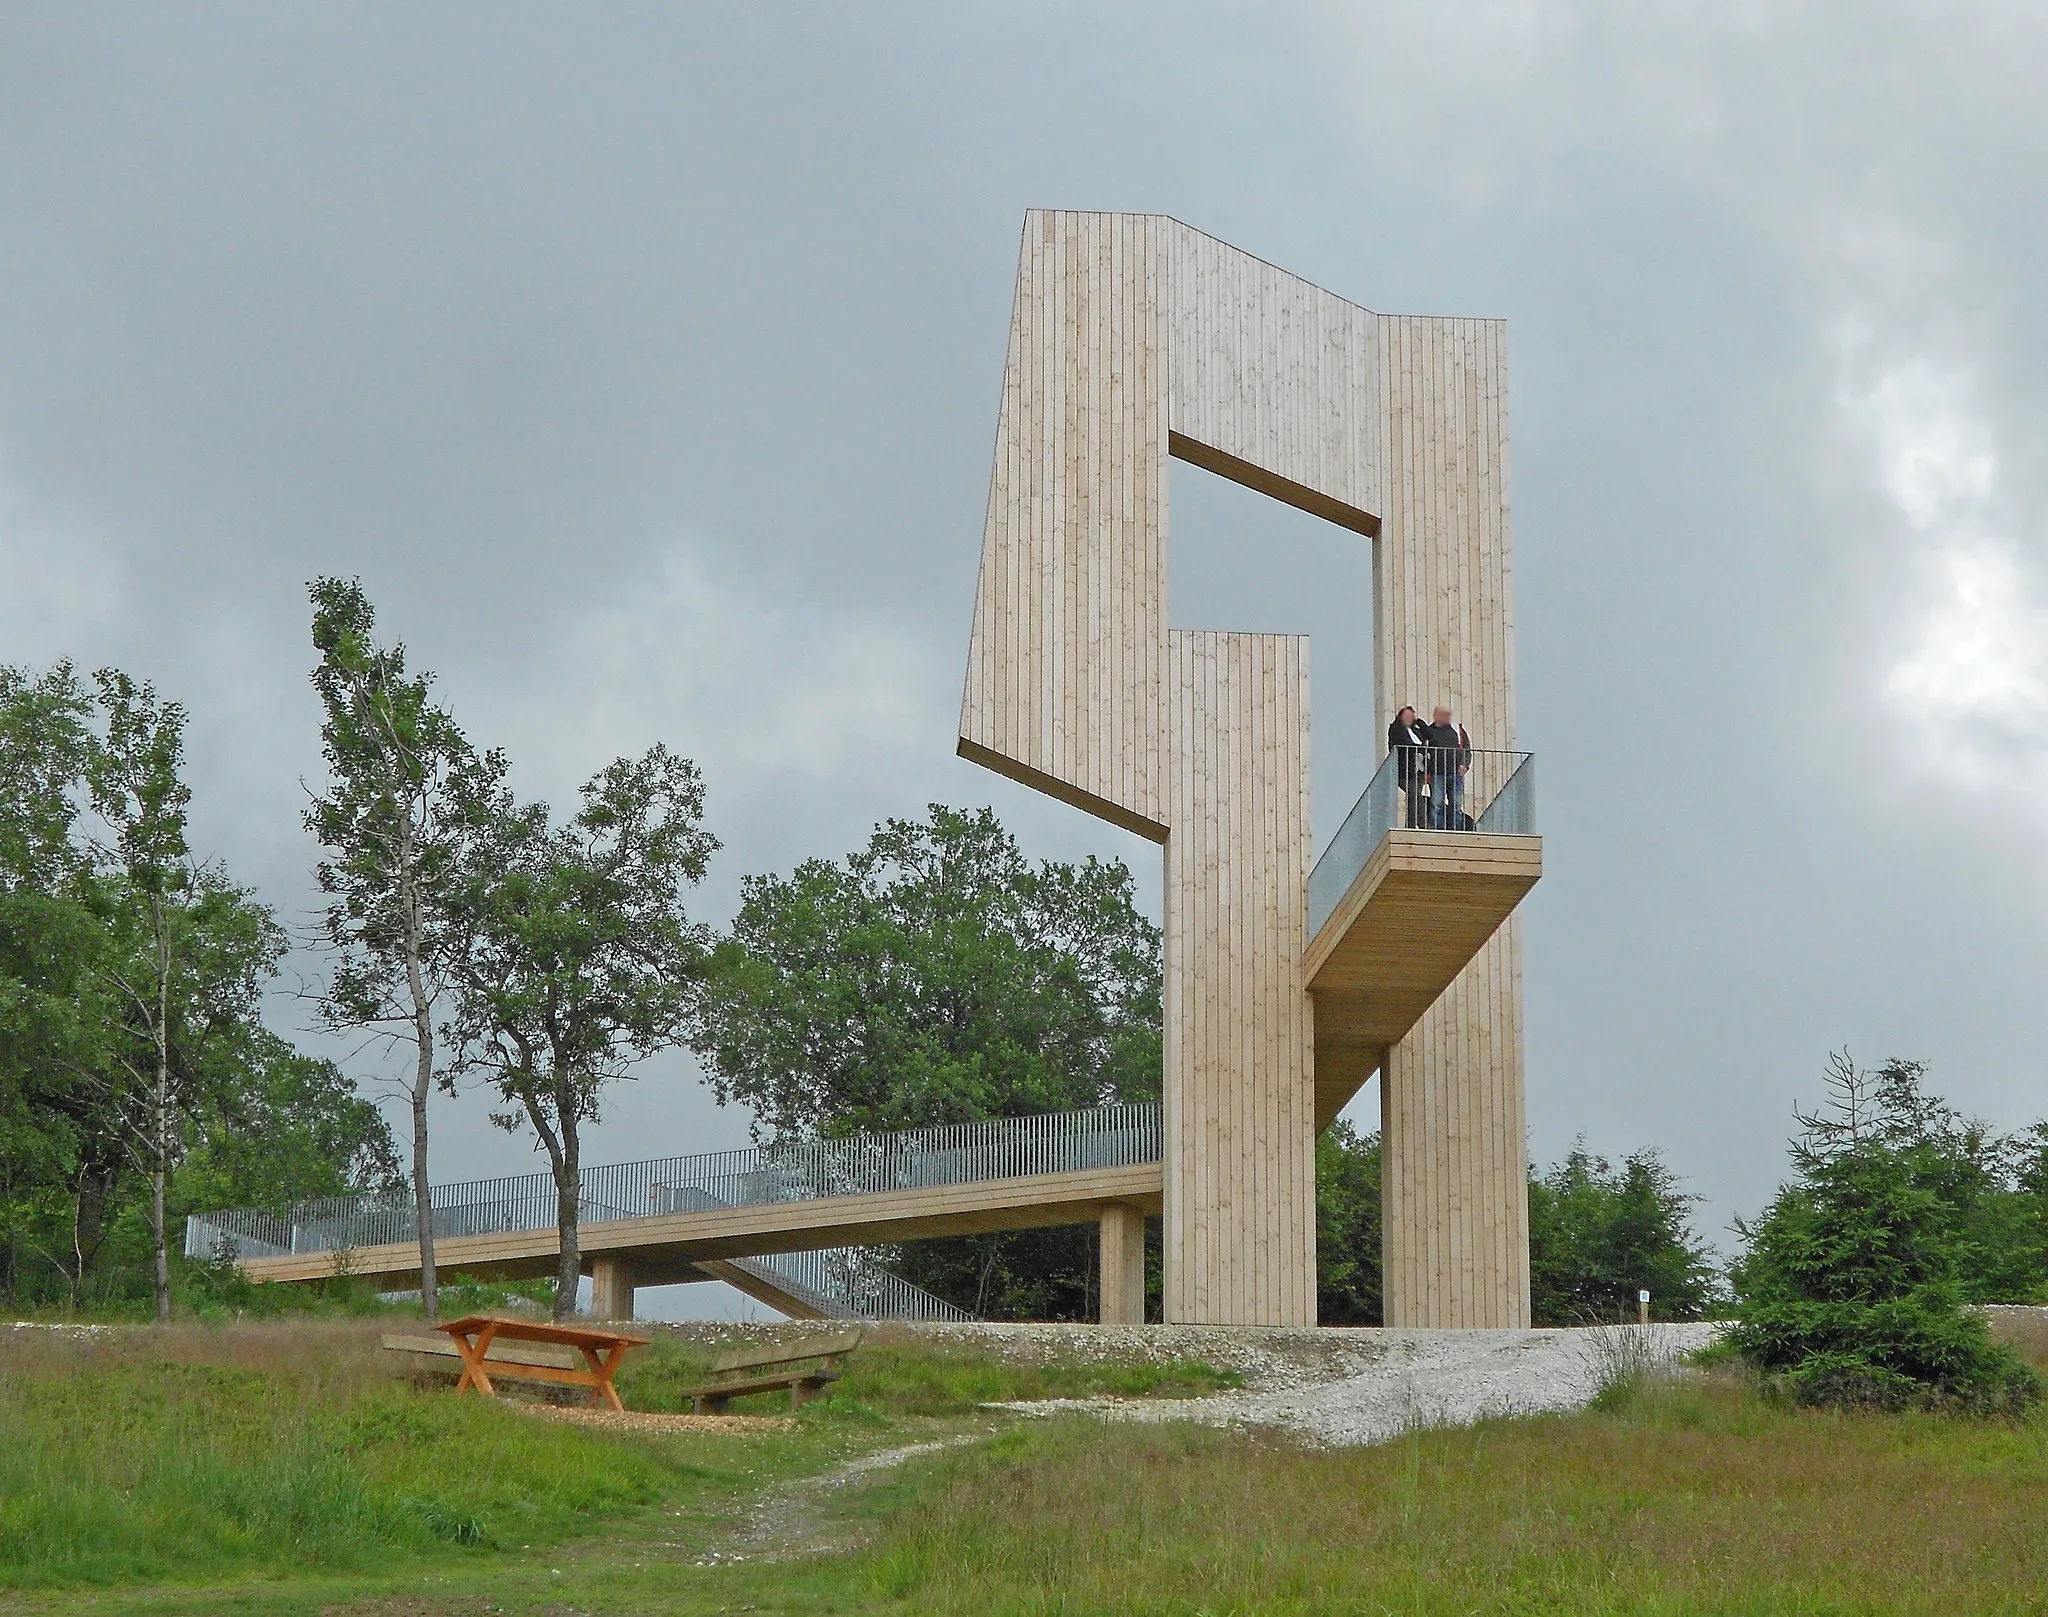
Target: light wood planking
{"type": "Point", "coordinates": [1240, 1089]}
{"type": "Point", "coordinates": [611, 1288]}
{"type": "Point", "coordinates": [1417, 915]}
{"type": "Point", "coordinates": [1452, 1104]}
{"type": "Point", "coordinates": [758, 1282]}
{"type": "Point", "coordinates": [1066, 656]}
{"type": "Point", "coordinates": [1122, 1268]}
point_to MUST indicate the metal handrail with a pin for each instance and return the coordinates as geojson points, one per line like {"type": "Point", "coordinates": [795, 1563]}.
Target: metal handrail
{"type": "Point", "coordinates": [848, 1282]}
{"type": "Point", "coordinates": [1452, 790]}
{"type": "Point", "coordinates": [786, 1170]}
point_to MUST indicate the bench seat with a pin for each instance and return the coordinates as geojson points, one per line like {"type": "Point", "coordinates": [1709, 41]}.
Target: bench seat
{"type": "Point", "coordinates": [805, 1367]}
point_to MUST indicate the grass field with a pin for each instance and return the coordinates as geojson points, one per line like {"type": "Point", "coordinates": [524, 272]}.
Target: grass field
{"type": "Point", "coordinates": [284, 1468]}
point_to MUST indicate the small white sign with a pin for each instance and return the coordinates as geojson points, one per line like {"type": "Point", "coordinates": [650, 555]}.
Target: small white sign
{"type": "Point", "coordinates": [1642, 1296]}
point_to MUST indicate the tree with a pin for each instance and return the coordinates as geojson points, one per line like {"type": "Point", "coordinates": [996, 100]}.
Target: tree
{"type": "Point", "coordinates": [585, 960]}
{"type": "Point", "coordinates": [407, 798]}
{"type": "Point", "coordinates": [1348, 1227]}
{"type": "Point", "coordinates": [938, 976]}
{"type": "Point", "coordinates": [187, 952]}
{"type": "Point", "coordinates": [291, 1128]}
{"type": "Point", "coordinates": [1598, 1234]}
{"type": "Point", "coordinates": [1852, 1287]}
{"type": "Point", "coordinates": [50, 1020]}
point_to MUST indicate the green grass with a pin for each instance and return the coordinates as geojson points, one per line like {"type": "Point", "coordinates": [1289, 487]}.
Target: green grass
{"type": "Point", "coordinates": [120, 1464]}
{"type": "Point", "coordinates": [143, 1457]}
{"type": "Point", "coordinates": [1693, 1496]}
{"type": "Point", "coordinates": [283, 1470]}
{"type": "Point", "coordinates": [897, 1378]}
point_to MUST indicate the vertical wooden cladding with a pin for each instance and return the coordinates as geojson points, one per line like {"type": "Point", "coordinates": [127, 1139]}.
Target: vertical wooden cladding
{"type": "Point", "coordinates": [1273, 381]}
{"type": "Point", "coordinates": [1445, 621]}
{"type": "Point", "coordinates": [1066, 661]}
{"type": "Point", "coordinates": [1240, 1088]}
{"type": "Point", "coordinates": [1452, 1108]}
{"type": "Point", "coordinates": [1122, 1267]}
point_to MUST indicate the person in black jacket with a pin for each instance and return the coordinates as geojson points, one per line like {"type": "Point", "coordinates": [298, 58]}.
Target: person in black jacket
{"type": "Point", "coordinates": [1450, 755]}
{"type": "Point", "coordinates": [1406, 740]}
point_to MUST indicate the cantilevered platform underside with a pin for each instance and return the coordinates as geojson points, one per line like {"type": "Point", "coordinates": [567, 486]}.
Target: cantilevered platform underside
{"type": "Point", "coordinates": [667, 1248]}
{"type": "Point", "coordinates": [1416, 915]}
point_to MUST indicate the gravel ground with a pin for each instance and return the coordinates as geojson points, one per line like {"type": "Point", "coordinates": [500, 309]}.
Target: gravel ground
{"type": "Point", "coordinates": [638, 1420]}
{"type": "Point", "coordinates": [1343, 1387]}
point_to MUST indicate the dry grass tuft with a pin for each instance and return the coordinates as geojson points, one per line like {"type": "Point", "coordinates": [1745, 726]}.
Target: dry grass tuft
{"type": "Point", "coordinates": [2024, 1328]}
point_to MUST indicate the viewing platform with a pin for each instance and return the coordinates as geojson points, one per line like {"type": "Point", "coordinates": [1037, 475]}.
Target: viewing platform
{"type": "Point", "coordinates": [1406, 895]}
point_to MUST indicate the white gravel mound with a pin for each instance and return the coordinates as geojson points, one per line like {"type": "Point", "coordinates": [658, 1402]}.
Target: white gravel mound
{"type": "Point", "coordinates": [1381, 1383]}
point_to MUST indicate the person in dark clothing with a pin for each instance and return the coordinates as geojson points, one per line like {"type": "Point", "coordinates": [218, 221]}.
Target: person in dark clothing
{"type": "Point", "coordinates": [1406, 741]}
{"type": "Point", "coordinates": [1450, 755]}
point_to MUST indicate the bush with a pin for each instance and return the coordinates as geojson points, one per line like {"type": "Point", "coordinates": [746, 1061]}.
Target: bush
{"type": "Point", "coordinates": [1852, 1291]}
{"type": "Point", "coordinates": [1598, 1234]}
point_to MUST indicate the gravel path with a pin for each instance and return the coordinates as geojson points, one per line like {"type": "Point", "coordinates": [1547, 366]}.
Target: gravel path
{"type": "Point", "coordinates": [1381, 1383]}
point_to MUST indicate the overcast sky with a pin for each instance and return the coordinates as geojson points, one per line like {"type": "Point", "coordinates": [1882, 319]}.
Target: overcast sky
{"type": "Point", "coordinates": [644, 364]}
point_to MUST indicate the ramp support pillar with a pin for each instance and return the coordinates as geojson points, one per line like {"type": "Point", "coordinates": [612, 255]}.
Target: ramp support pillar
{"type": "Point", "coordinates": [1123, 1265]}
{"type": "Point", "coordinates": [611, 1288]}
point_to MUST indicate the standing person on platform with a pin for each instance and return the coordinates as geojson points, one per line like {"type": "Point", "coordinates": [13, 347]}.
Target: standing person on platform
{"type": "Point", "coordinates": [1450, 755]}
{"type": "Point", "coordinates": [1407, 741]}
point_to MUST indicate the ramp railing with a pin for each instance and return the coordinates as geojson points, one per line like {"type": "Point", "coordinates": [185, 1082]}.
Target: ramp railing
{"type": "Point", "coordinates": [849, 1282]}
{"type": "Point", "coordinates": [784, 1170]}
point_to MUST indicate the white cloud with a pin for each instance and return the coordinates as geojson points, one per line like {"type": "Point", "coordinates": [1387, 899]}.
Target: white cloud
{"type": "Point", "coordinates": [1967, 688]}
{"type": "Point", "coordinates": [1973, 684]}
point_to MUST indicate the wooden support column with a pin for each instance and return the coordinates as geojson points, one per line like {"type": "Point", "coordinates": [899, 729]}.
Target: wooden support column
{"type": "Point", "coordinates": [1123, 1265]}
{"type": "Point", "coordinates": [1239, 1114]}
{"type": "Point", "coordinates": [1455, 1195]}
{"type": "Point", "coordinates": [611, 1288]}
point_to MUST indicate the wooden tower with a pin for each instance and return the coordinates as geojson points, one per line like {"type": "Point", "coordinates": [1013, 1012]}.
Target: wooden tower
{"type": "Point", "coordinates": [1135, 340]}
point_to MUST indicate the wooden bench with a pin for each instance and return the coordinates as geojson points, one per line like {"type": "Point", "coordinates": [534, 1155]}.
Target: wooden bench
{"type": "Point", "coordinates": [492, 1347]}
{"type": "Point", "coordinates": [805, 1366]}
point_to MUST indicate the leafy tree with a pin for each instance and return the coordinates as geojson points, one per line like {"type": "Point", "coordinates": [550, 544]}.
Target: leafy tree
{"type": "Point", "coordinates": [2026, 1233]}
{"type": "Point", "coordinates": [187, 952]}
{"type": "Point", "coordinates": [1852, 1285]}
{"type": "Point", "coordinates": [406, 802]}
{"type": "Point", "coordinates": [1348, 1227]}
{"type": "Point", "coordinates": [291, 1128]}
{"type": "Point", "coordinates": [50, 1022]}
{"type": "Point", "coordinates": [935, 977]}
{"type": "Point", "coordinates": [1598, 1234]}
{"type": "Point", "coordinates": [585, 960]}
{"type": "Point", "coordinates": [938, 976]}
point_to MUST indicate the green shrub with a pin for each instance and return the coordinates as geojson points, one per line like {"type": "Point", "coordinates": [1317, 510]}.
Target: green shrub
{"type": "Point", "coordinates": [1852, 1290]}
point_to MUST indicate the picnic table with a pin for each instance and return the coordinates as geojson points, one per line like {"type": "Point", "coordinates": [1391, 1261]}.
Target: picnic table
{"type": "Point", "coordinates": [602, 1350]}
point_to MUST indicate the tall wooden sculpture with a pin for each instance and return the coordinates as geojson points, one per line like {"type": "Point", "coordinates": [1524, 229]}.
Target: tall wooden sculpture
{"type": "Point", "coordinates": [1133, 340]}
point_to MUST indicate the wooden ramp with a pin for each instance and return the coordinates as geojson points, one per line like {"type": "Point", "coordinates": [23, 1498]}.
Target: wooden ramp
{"type": "Point", "coordinates": [668, 1248]}
{"type": "Point", "coordinates": [1415, 916]}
